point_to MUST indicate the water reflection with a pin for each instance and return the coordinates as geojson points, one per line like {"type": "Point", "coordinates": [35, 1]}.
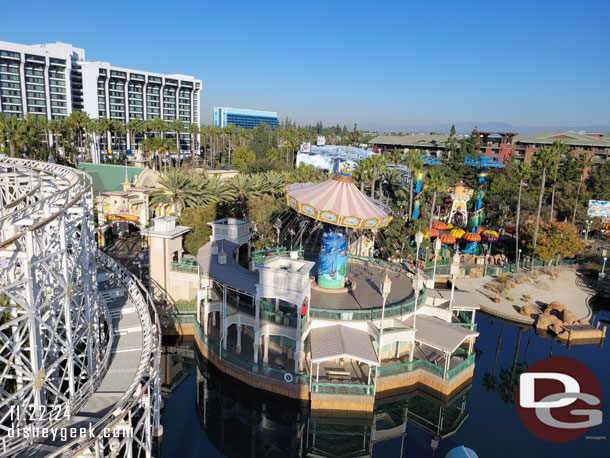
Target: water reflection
{"type": "Point", "coordinates": [243, 422]}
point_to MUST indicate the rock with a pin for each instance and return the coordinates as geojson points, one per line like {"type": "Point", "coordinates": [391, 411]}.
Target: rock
{"type": "Point", "coordinates": [525, 310]}
{"type": "Point", "coordinates": [556, 306]}
{"type": "Point", "coordinates": [555, 329]}
{"type": "Point", "coordinates": [565, 334]}
{"type": "Point", "coordinates": [568, 317]}
{"type": "Point", "coordinates": [476, 272]}
{"type": "Point", "coordinates": [544, 321]}
{"type": "Point", "coordinates": [582, 322]}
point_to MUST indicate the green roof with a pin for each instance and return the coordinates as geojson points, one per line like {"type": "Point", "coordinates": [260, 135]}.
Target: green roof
{"type": "Point", "coordinates": [108, 177]}
{"type": "Point", "coordinates": [569, 138]}
{"type": "Point", "coordinates": [414, 141]}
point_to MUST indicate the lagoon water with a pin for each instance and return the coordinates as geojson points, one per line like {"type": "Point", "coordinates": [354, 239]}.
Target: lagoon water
{"type": "Point", "coordinates": [207, 414]}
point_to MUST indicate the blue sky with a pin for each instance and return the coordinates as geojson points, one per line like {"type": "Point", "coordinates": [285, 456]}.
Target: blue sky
{"type": "Point", "coordinates": [392, 63]}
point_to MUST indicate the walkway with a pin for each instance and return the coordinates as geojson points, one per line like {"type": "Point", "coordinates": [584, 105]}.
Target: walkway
{"type": "Point", "coordinates": [123, 362]}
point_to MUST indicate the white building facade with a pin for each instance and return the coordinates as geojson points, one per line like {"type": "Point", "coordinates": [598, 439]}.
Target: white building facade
{"type": "Point", "coordinates": [54, 79]}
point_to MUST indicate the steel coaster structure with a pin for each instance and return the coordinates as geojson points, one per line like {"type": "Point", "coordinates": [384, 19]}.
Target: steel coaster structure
{"type": "Point", "coordinates": [57, 338]}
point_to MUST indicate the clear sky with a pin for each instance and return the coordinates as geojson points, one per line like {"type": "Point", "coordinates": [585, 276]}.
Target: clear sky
{"type": "Point", "coordinates": [404, 62]}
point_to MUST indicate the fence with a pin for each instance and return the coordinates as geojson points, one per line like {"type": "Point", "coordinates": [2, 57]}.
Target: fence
{"type": "Point", "coordinates": [188, 265]}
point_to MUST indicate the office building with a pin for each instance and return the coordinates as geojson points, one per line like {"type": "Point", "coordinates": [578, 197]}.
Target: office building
{"type": "Point", "coordinates": [243, 118]}
{"type": "Point", "coordinates": [54, 79]}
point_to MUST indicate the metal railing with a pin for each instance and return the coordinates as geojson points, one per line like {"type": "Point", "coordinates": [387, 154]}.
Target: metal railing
{"type": "Point", "coordinates": [431, 368]}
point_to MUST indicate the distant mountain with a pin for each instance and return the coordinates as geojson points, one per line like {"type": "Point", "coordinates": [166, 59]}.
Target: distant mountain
{"type": "Point", "coordinates": [467, 126]}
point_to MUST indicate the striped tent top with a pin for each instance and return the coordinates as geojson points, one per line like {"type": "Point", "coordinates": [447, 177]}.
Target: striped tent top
{"type": "Point", "coordinates": [338, 201]}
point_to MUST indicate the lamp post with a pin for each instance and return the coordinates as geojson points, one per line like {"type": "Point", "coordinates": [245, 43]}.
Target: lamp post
{"type": "Point", "coordinates": [518, 257]}
{"type": "Point", "coordinates": [455, 271]}
{"type": "Point", "coordinates": [419, 238]}
{"type": "Point", "coordinates": [604, 265]}
{"type": "Point", "coordinates": [589, 222]}
{"type": "Point", "coordinates": [486, 263]}
{"type": "Point", "coordinates": [418, 284]}
{"type": "Point", "coordinates": [437, 248]}
{"type": "Point", "coordinates": [386, 286]}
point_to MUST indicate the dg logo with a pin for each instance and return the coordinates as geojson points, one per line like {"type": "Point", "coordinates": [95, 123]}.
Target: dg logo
{"type": "Point", "coordinates": [558, 399]}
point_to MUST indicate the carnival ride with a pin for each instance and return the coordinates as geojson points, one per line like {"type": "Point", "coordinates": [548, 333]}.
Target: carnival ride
{"type": "Point", "coordinates": [339, 205]}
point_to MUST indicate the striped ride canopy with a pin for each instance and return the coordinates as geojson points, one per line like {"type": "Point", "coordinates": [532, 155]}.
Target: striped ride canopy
{"type": "Point", "coordinates": [338, 201]}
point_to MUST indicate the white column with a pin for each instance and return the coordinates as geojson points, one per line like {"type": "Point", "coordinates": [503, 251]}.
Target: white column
{"type": "Point", "coordinates": [297, 350]}
{"type": "Point", "coordinates": [257, 326]}
{"type": "Point", "coordinates": [24, 103]}
{"type": "Point", "coordinates": [474, 312]}
{"type": "Point", "coordinates": [266, 349]}
{"type": "Point", "coordinates": [446, 368]}
{"type": "Point", "coordinates": [223, 322]}
{"type": "Point", "coordinates": [238, 346]}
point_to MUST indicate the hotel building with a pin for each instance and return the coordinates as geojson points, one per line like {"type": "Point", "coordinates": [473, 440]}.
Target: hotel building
{"type": "Point", "coordinates": [243, 118]}
{"type": "Point", "coordinates": [54, 79]}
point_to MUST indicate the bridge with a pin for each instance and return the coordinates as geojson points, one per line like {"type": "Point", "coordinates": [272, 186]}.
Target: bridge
{"type": "Point", "coordinates": [79, 334]}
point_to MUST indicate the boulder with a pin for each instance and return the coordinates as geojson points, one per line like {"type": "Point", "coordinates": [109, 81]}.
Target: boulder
{"type": "Point", "coordinates": [565, 334]}
{"type": "Point", "coordinates": [525, 310]}
{"type": "Point", "coordinates": [476, 272]}
{"type": "Point", "coordinates": [555, 329]}
{"type": "Point", "coordinates": [556, 306]}
{"type": "Point", "coordinates": [543, 322]}
{"type": "Point", "coordinates": [568, 317]}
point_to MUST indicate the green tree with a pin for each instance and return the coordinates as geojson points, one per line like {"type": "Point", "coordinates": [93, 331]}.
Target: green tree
{"type": "Point", "coordinates": [377, 165]}
{"type": "Point", "coordinates": [242, 157]}
{"type": "Point", "coordinates": [522, 174]}
{"type": "Point", "coordinates": [583, 163]}
{"type": "Point", "coordinates": [560, 150]}
{"type": "Point", "coordinates": [545, 159]}
{"type": "Point", "coordinates": [245, 187]}
{"type": "Point", "coordinates": [413, 162]}
{"type": "Point", "coordinates": [555, 240]}
{"type": "Point", "coordinates": [177, 127]}
{"type": "Point", "coordinates": [436, 182]}
{"type": "Point", "coordinates": [193, 131]}
{"type": "Point", "coordinates": [197, 218]}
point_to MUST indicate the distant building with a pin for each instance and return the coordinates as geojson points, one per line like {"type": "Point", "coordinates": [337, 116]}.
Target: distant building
{"type": "Point", "coordinates": [243, 118]}
{"type": "Point", "coordinates": [596, 145]}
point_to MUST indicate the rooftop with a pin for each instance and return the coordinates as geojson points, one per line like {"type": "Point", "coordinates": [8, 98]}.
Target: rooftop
{"type": "Point", "coordinates": [108, 177]}
{"type": "Point", "coordinates": [569, 138]}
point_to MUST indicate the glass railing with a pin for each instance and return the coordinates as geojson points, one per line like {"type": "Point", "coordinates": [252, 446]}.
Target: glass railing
{"type": "Point", "coordinates": [343, 389]}
{"type": "Point", "coordinates": [469, 361]}
{"type": "Point", "coordinates": [367, 315]}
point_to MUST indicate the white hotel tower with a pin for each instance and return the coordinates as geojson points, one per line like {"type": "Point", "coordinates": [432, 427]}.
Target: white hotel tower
{"type": "Point", "coordinates": [54, 79]}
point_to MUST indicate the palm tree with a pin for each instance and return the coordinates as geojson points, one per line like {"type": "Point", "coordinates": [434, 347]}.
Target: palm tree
{"type": "Point", "coordinates": [436, 181]}
{"type": "Point", "coordinates": [392, 177]}
{"type": "Point", "coordinates": [522, 174]}
{"type": "Point", "coordinates": [583, 162]}
{"type": "Point", "coordinates": [376, 164]}
{"type": "Point", "coordinates": [177, 127]}
{"type": "Point", "coordinates": [133, 127]}
{"type": "Point", "coordinates": [362, 173]}
{"type": "Point", "coordinates": [561, 150]}
{"type": "Point", "coordinates": [81, 123]}
{"type": "Point", "coordinates": [175, 188]}
{"type": "Point", "coordinates": [545, 158]}
{"type": "Point", "coordinates": [211, 190]}
{"type": "Point", "coordinates": [12, 133]}
{"type": "Point", "coordinates": [275, 182]}
{"type": "Point", "coordinates": [245, 186]}
{"type": "Point", "coordinates": [413, 162]}
{"type": "Point", "coordinates": [193, 130]}
{"type": "Point", "coordinates": [305, 174]}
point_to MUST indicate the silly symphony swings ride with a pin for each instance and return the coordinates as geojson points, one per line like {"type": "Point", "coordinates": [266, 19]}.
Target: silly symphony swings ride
{"type": "Point", "coordinates": [338, 204]}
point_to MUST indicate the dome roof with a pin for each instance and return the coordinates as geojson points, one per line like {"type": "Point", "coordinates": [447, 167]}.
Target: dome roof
{"type": "Point", "coordinates": [338, 201]}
